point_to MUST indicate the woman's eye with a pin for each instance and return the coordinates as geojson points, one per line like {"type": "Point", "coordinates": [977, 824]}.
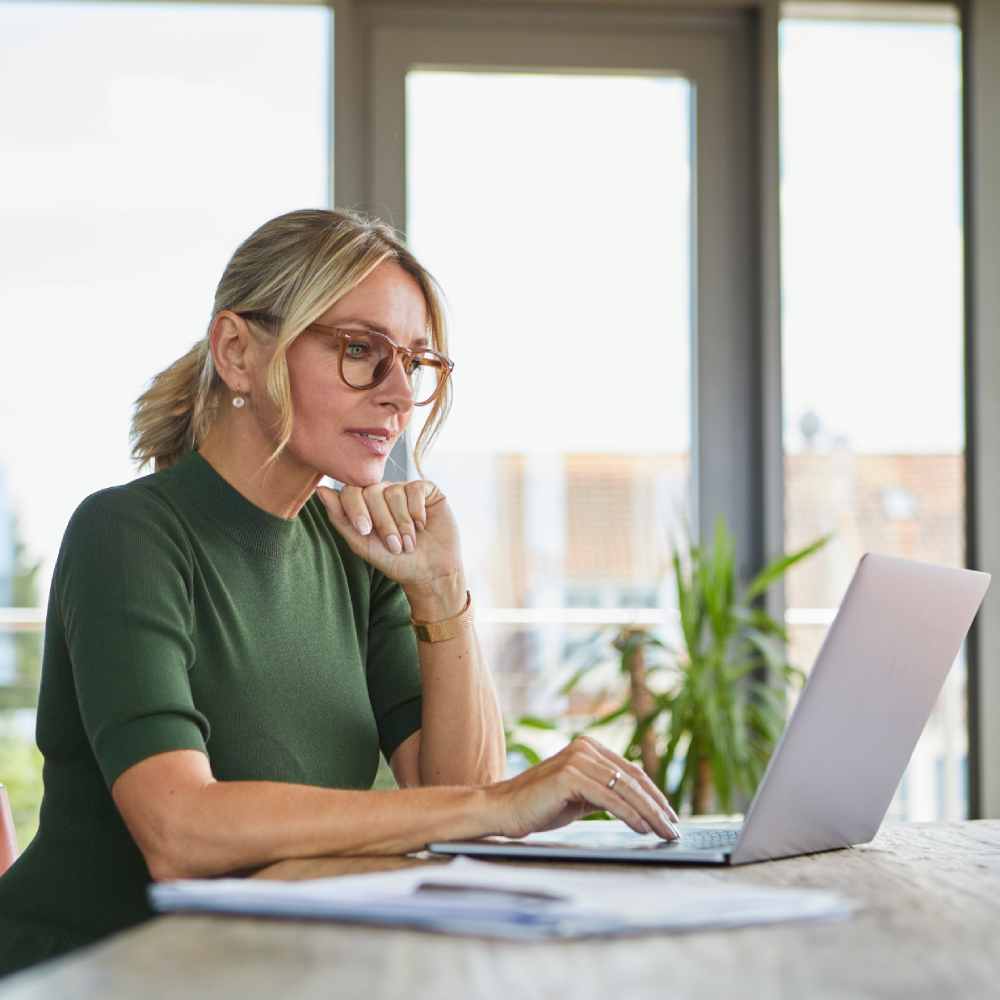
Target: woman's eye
{"type": "Point", "coordinates": [357, 350]}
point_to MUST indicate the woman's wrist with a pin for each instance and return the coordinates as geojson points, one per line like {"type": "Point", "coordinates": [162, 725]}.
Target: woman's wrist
{"type": "Point", "coordinates": [492, 810]}
{"type": "Point", "coordinates": [439, 599]}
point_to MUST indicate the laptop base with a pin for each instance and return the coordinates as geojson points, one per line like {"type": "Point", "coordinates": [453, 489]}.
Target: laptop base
{"type": "Point", "coordinates": [593, 840]}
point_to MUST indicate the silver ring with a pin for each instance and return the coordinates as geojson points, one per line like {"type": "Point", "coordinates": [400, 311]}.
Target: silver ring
{"type": "Point", "coordinates": [614, 779]}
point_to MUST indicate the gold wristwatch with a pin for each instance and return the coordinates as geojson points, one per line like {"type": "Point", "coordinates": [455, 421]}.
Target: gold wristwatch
{"type": "Point", "coordinates": [447, 629]}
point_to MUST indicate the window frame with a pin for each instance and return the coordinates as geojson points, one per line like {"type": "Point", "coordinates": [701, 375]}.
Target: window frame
{"type": "Point", "coordinates": [763, 493]}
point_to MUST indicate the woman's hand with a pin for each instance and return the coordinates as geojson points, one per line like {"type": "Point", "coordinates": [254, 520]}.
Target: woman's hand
{"type": "Point", "coordinates": [575, 782]}
{"type": "Point", "coordinates": [405, 530]}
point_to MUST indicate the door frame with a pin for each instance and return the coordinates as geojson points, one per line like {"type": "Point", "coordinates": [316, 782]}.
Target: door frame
{"type": "Point", "coordinates": [718, 54]}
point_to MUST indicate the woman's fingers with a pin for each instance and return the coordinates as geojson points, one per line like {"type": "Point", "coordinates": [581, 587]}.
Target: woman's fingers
{"type": "Point", "coordinates": [620, 779]}
{"type": "Point", "coordinates": [334, 506]}
{"type": "Point", "coordinates": [384, 520]}
{"type": "Point", "coordinates": [344, 514]}
{"type": "Point", "coordinates": [629, 788]}
{"type": "Point", "coordinates": [394, 511]}
{"type": "Point", "coordinates": [355, 508]}
{"type": "Point", "coordinates": [397, 501]}
{"type": "Point", "coordinates": [432, 494]}
{"type": "Point", "coordinates": [553, 793]}
{"type": "Point", "coordinates": [379, 523]}
{"type": "Point", "coordinates": [416, 503]}
{"type": "Point", "coordinates": [368, 509]}
{"type": "Point", "coordinates": [598, 793]}
{"type": "Point", "coordinates": [638, 775]}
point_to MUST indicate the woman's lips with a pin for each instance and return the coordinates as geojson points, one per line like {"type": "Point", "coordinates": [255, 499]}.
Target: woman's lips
{"type": "Point", "coordinates": [376, 445]}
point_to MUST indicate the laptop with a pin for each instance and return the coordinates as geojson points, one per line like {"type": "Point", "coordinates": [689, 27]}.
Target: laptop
{"type": "Point", "coordinates": [829, 783]}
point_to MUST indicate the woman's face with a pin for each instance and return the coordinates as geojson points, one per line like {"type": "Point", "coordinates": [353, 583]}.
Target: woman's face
{"type": "Point", "coordinates": [332, 421]}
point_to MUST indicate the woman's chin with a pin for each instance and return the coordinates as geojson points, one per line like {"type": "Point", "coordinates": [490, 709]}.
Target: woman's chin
{"type": "Point", "coordinates": [369, 473]}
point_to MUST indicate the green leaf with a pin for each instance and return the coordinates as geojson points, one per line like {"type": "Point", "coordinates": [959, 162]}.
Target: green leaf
{"type": "Point", "coordinates": [686, 780]}
{"type": "Point", "coordinates": [610, 717]}
{"type": "Point", "coordinates": [760, 620]}
{"type": "Point", "coordinates": [770, 647]}
{"type": "Point", "coordinates": [688, 606]}
{"type": "Point", "coordinates": [716, 743]}
{"type": "Point", "coordinates": [770, 696]}
{"type": "Point", "coordinates": [682, 722]}
{"type": "Point", "coordinates": [719, 581]}
{"type": "Point", "coordinates": [738, 669]}
{"type": "Point", "coordinates": [778, 567]}
{"type": "Point", "coordinates": [578, 676]}
{"type": "Point", "coordinates": [535, 722]}
{"type": "Point", "coordinates": [531, 756]}
{"type": "Point", "coordinates": [766, 720]}
{"type": "Point", "coordinates": [794, 673]}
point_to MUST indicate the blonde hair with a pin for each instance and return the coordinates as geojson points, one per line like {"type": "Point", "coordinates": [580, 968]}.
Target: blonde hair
{"type": "Point", "coordinates": [294, 267]}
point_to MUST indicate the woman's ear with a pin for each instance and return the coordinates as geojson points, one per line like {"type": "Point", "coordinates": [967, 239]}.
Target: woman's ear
{"type": "Point", "coordinates": [230, 344]}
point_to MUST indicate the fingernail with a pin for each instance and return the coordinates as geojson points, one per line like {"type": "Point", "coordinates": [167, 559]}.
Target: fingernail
{"type": "Point", "coordinates": [363, 525]}
{"type": "Point", "coordinates": [392, 542]}
{"type": "Point", "coordinates": [644, 826]}
{"type": "Point", "coordinates": [675, 830]}
{"type": "Point", "coordinates": [408, 543]}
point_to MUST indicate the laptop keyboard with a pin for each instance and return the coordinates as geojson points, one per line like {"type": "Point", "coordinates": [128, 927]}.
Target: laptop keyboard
{"type": "Point", "coordinates": [708, 839]}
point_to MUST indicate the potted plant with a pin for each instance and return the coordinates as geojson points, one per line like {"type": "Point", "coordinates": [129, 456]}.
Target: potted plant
{"type": "Point", "coordinates": [711, 719]}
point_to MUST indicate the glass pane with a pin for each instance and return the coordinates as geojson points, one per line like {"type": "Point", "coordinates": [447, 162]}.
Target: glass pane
{"type": "Point", "coordinates": [555, 211]}
{"type": "Point", "coordinates": [146, 141]}
{"type": "Point", "coordinates": [873, 319]}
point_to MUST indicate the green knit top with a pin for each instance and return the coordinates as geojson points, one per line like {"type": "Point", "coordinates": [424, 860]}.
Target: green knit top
{"type": "Point", "coordinates": [182, 616]}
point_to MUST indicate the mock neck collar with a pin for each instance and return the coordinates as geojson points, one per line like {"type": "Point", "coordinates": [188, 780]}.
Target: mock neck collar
{"type": "Point", "coordinates": [247, 524]}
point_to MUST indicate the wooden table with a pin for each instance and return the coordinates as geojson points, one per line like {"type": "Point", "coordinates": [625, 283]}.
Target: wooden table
{"type": "Point", "coordinates": [930, 928]}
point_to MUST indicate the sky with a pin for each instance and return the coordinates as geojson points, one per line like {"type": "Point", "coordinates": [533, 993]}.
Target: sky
{"type": "Point", "coordinates": [145, 143]}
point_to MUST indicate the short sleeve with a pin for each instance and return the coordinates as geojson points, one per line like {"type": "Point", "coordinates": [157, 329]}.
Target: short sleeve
{"type": "Point", "coordinates": [123, 588]}
{"type": "Point", "coordinates": [393, 665]}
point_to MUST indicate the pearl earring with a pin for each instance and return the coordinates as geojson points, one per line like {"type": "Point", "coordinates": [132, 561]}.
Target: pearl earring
{"type": "Point", "coordinates": [239, 402]}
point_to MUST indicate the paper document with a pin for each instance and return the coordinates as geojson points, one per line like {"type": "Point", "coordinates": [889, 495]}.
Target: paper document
{"type": "Point", "coordinates": [507, 901]}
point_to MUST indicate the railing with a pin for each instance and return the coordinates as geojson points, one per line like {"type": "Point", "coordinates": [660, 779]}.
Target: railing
{"type": "Point", "coordinates": [21, 619]}
{"type": "Point", "coordinates": [32, 619]}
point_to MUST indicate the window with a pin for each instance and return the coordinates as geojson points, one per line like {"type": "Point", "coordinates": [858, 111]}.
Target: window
{"type": "Point", "coordinates": [566, 455]}
{"type": "Point", "coordinates": [169, 133]}
{"type": "Point", "coordinates": [872, 276]}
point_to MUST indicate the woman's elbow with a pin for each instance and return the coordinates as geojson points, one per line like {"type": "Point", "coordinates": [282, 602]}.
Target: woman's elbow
{"type": "Point", "coordinates": [160, 800]}
{"type": "Point", "coordinates": [166, 851]}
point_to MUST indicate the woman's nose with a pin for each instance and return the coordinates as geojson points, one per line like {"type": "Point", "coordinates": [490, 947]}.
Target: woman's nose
{"type": "Point", "coordinates": [396, 387]}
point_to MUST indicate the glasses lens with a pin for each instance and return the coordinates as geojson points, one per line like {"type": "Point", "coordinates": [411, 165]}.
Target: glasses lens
{"type": "Point", "coordinates": [426, 379]}
{"type": "Point", "coordinates": [369, 356]}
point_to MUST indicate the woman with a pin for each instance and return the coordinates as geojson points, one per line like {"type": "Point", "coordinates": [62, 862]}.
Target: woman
{"type": "Point", "coordinates": [229, 645]}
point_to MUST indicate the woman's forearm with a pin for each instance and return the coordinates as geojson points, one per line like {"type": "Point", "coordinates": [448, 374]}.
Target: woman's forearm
{"type": "Point", "coordinates": [462, 739]}
{"type": "Point", "coordinates": [232, 826]}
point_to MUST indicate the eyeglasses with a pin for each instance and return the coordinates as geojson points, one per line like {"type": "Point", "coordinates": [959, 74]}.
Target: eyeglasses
{"type": "Point", "coordinates": [366, 359]}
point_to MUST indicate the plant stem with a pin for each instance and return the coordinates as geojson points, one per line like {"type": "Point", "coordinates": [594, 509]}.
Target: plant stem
{"type": "Point", "coordinates": [643, 706]}
{"type": "Point", "coordinates": [701, 799]}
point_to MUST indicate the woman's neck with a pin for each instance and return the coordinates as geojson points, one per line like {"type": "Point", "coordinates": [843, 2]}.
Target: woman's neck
{"type": "Point", "coordinates": [239, 454]}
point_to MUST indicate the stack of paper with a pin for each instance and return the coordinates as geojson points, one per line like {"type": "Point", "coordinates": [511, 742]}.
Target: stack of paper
{"type": "Point", "coordinates": [507, 901]}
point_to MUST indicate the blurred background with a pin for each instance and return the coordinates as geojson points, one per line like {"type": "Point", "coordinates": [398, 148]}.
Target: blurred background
{"type": "Point", "coordinates": [589, 197]}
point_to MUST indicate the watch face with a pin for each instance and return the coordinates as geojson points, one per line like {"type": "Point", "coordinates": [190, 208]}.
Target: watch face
{"type": "Point", "coordinates": [434, 632]}
{"type": "Point", "coordinates": [424, 633]}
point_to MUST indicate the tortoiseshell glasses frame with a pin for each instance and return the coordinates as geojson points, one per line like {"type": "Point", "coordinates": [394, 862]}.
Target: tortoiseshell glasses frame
{"type": "Point", "coordinates": [439, 364]}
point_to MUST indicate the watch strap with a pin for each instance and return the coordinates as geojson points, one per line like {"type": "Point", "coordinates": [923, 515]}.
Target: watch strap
{"type": "Point", "coordinates": [446, 629]}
